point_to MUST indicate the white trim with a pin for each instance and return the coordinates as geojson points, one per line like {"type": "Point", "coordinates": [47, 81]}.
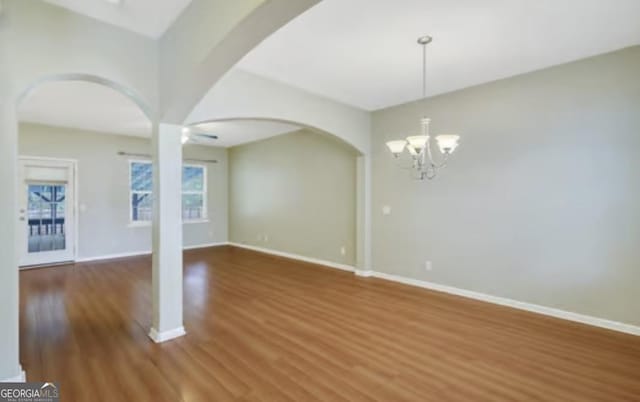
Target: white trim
{"type": "Point", "coordinates": [50, 265]}
{"type": "Point", "coordinates": [535, 308]}
{"type": "Point", "coordinates": [363, 273]}
{"type": "Point", "coordinates": [148, 224]}
{"type": "Point", "coordinates": [147, 252]}
{"type": "Point", "coordinates": [207, 245]}
{"type": "Point", "coordinates": [22, 377]}
{"type": "Point", "coordinates": [139, 224]}
{"type": "Point", "coordinates": [49, 159]}
{"type": "Point", "coordinates": [159, 337]}
{"type": "Point", "coordinates": [113, 256]}
{"type": "Point", "coordinates": [311, 260]}
{"type": "Point", "coordinates": [195, 221]}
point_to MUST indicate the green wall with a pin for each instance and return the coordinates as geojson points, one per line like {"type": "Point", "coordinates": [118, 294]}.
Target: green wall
{"type": "Point", "coordinates": [295, 193]}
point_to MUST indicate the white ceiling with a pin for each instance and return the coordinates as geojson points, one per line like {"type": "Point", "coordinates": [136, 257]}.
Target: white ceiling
{"type": "Point", "coordinates": [92, 107]}
{"type": "Point", "coordinates": [363, 52]}
{"type": "Point", "coordinates": [237, 132]}
{"type": "Point", "coordinates": [86, 106]}
{"type": "Point", "coordinates": [147, 17]}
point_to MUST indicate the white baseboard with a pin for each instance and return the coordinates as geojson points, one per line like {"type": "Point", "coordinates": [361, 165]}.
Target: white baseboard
{"type": "Point", "coordinates": [22, 377]}
{"type": "Point", "coordinates": [159, 337]}
{"type": "Point", "coordinates": [206, 245]}
{"type": "Point", "coordinates": [113, 256]}
{"type": "Point", "coordinates": [146, 252]}
{"type": "Point", "coordinates": [535, 308]}
{"type": "Point", "coordinates": [363, 273]}
{"type": "Point", "coordinates": [329, 264]}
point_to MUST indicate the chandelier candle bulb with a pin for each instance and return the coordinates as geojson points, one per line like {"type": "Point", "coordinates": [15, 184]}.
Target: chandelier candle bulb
{"type": "Point", "coordinates": [418, 142]}
{"type": "Point", "coordinates": [447, 143]}
{"type": "Point", "coordinates": [396, 147]}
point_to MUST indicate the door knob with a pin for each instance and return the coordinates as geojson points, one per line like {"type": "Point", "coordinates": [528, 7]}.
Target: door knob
{"type": "Point", "coordinates": [22, 218]}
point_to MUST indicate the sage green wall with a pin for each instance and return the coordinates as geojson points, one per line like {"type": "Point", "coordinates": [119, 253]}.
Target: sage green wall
{"type": "Point", "coordinates": [540, 202]}
{"type": "Point", "coordinates": [103, 178]}
{"type": "Point", "coordinates": [298, 190]}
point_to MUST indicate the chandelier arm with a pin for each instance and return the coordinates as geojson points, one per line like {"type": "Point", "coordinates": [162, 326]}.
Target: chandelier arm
{"type": "Point", "coordinates": [430, 154]}
{"type": "Point", "coordinates": [419, 175]}
{"type": "Point", "coordinates": [430, 173]}
{"type": "Point", "coordinates": [442, 163]}
{"type": "Point", "coordinates": [432, 161]}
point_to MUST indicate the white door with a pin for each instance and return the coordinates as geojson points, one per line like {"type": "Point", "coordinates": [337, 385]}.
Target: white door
{"type": "Point", "coordinates": [46, 201]}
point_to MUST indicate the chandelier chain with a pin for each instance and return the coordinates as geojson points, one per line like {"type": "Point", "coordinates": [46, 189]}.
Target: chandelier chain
{"type": "Point", "coordinates": [424, 71]}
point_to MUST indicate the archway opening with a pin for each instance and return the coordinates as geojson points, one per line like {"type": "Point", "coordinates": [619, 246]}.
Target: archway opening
{"type": "Point", "coordinates": [71, 129]}
{"type": "Point", "coordinates": [74, 204]}
{"type": "Point", "coordinates": [293, 189]}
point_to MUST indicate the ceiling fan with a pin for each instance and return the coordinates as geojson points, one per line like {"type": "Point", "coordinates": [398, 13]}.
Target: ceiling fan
{"type": "Point", "coordinates": [191, 135]}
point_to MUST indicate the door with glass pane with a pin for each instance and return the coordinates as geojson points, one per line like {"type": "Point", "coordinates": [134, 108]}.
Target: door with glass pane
{"type": "Point", "coordinates": [46, 216]}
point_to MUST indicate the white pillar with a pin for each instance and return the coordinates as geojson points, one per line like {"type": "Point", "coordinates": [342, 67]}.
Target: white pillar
{"type": "Point", "coordinates": [363, 214]}
{"type": "Point", "coordinates": [10, 369]}
{"type": "Point", "coordinates": [167, 233]}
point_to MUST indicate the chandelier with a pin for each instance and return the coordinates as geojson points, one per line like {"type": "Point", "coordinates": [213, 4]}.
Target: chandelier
{"type": "Point", "coordinates": [423, 163]}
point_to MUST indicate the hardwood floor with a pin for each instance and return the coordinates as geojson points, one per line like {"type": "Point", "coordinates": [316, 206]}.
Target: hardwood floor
{"type": "Point", "coordinates": [261, 328]}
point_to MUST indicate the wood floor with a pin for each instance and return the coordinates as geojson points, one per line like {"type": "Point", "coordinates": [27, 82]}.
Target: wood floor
{"type": "Point", "coordinates": [261, 328]}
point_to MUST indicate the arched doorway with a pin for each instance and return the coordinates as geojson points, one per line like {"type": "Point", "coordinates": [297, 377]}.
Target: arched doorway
{"type": "Point", "coordinates": [90, 78]}
{"type": "Point", "coordinates": [57, 217]}
{"type": "Point", "coordinates": [353, 257]}
{"type": "Point", "coordinates": [69, 128]}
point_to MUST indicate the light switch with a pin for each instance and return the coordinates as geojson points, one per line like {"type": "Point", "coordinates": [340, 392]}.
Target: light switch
{"type": "Point", "coordinates": [386, 210]}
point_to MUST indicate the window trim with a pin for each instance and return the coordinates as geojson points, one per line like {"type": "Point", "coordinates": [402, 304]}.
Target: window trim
{"type": "Point", "coordinates": [205, 194]}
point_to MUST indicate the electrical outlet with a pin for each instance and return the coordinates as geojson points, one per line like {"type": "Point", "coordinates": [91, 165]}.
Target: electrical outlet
{"type": "Point", "coordinates": [428, 266]}
{"type": "Point", "coordinates": [259, 237]}
{"type": "Point", "coordinates": [343, 250]}
{"type": "Point", "coordinates": [266, 238]}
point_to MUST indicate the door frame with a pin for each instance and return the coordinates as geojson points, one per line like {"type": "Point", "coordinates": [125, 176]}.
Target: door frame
{"type": "Point", "coordinates": [76, 216]}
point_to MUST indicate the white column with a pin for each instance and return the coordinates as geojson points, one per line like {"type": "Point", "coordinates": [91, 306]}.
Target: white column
{"type": "Point", "coordinates": [10, 369]}
{"type": "Point", "coordinates": [363, 214]}
{"type": "Point", "coordinates": [167, 233]}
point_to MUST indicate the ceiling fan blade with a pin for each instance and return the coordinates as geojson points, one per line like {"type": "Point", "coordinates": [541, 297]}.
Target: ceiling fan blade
{"type": "Point", "coordinates": [210, 136]}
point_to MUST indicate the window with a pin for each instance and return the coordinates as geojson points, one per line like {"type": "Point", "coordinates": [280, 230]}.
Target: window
{"type": "Point", "coordinates": [141, 182]}
{"type": "Point", "coordinates": [194, 192]}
